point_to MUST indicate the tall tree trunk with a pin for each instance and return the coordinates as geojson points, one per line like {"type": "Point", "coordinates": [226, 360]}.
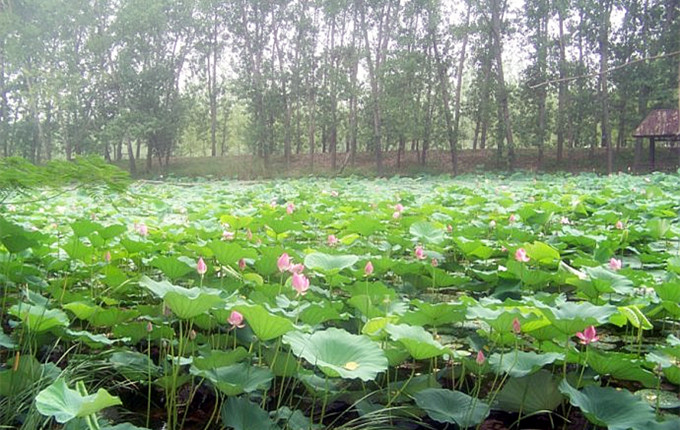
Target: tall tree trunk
{"type": "Point", "coordinates": [562, 89]}
{"type": "Point", "coordinates": [604, 91]}
{"type": "Point", "coordinates": [4, 104]}
{"type": "Point", "coordinates": [400, 150]}
{"type": "Point", "coordinates": [496, 12]}
{"type": "Point", "coordinates": [444, 90]}
{"type": "Point", "coordinates": [374, 72]}
{"type": "Point", "coordinates": [459, 88]}
{"type": "Point", "coordinates": [131, 156]}
{"type": "Point", "coordinates": [311, 127]}
{"type": "Point", "coordinates": [212, 88]}
{"type": "Point", "coordinates": [542, 90]}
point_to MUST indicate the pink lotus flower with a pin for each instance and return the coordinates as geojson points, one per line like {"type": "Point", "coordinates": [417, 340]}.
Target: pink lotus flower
{"type": "Point", "coordinates": [521, 255]}
{"type": "Point", "coordinates": [290, 208]}
{"type": "Point", "coordinates": [107, 257]}
{"type": "Point", "coordinates": [480, 357]}
{"type": "Point", "coordinates": [512, 218]}
{"type": "Point", "coordinates": [399, 207]}
{"type": "Point", "coordinates": [201, 267]}
{"type": "Point", "coordinates": [283, 262]}
{"type": "Point", "coordinates": [296, 268]}
{"type": "Point", "coordinates": [420, 252]}
{"type": "Point", "coordinates": [565, 221]}
{"type": "Point", "coordinates": [236, 320]}
{"type": "Point", "coordinates": [368, 269]}
{"type": "Point", "coordinates": [242, 264]}
{"type": "Point", "coordinates": [396, 215]}
{"type": "Point", "coordinates": [619, 225]}
{"type": "Point", "coordinates": [192, 334]}
{"type": "Point", "coordinates": [142, 229]}
{"type": "Point", "coordinates": [615, 264]}
{"type": "Point", "coordinates": [434, 262]}
{"type": "Point", "coordinates": [516, 326]}
{"type": "Point", "coordinates": [332, 240]}
{"type": "Point", "coordinates": [300, 283]}
{"type": "Point", "coordinates": [334, 193]}
{"type": "Point", "coordinates": [449, 228]}
{"type": "Point", "coordinates": [227, 235]}
{"type": "Point", "coordinates": [149, 327]}
{"type": "Point", "coordinates": [589, 335]}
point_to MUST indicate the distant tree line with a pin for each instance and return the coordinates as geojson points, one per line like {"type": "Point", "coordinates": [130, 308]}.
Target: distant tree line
{"type": "Point", "coordinates": [143, 79]}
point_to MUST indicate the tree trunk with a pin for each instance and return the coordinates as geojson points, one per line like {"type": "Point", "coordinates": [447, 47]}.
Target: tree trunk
{"type": "Point", "coordinates": [4, 104]}
{"type": "Point", "coordinates": [562, 90]}
{"type": "Point", "coordinates": [444, 90]}
{"type": "Point", "coordinates": [131, 156]}
{"type": "Point", "coordinates": [212, 88]}
{"type": "Point", "coordinates": [604, 92]}
{"type": "Point", "coordinates": [496, 12]}
{"type": "Point", "coordinates": [459, 89]}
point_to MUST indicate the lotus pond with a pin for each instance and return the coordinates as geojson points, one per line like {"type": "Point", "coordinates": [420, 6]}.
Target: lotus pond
{"type": "Point", "coordinates": [483, 302]}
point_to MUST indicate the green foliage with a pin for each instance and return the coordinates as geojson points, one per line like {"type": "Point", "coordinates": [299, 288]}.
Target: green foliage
{"type": "Point", "coordinates": [18, 174]}
{"type": "Point", "coordinates": [87, 290]}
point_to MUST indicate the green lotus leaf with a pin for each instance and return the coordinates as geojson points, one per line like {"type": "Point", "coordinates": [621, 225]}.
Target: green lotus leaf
{"type": "Point", "coordinates": [474, 248]}
{"type": "Point", "coordinates": [111, 231]}
{"type": "Point", "coordinates": [6, 341]}
{"type": "Point", "coordinates": [186, 303]}
{"type": "Point", "coordinates": [64, 404]}
{"type": "Point", "coordinates": [230, 253]}
{"type": "Point", "coordinates": [542, 253]}
{"type": "Point", "coordinates": [339, 354]}
{"type": "Point", "coordinates": [318, 313]}
{"type": "Point", "coordinates": [78, 250]}
{"type": "Point", "coordinates": [171, 267]}
{"type": "Point", "coordinates": [364, 225]}
{"type": "Point", "coordinates": [662, 399]}
{"type": "Point", "coordinates": [519, 363]}
{"type": "Point", "coordinates": [241, 414]}
{"type": "Point", "coordinates": [659, 228]}
{"type": "Point", "coordinates": [134, 365]}
{"type": "Point", "coordinates": [609, 407]}
{"type": "Point", "coordinates": [571, 317]}
{"type": "Point", "coordinates": [217, 358]}
{"type": "Point", "coordinates": [38, 318]}
{"type": "Point", "coordinates": [446, 406]}
{"type": "Point", "coordinates": [426, 232]}
{"type": "Point", "coordinates": [16, 238]}
{"type": "Point", "coordinates": [82, 310]}
{"type": "Point", "coordinates": [84, 227]}
{"type": "Point", "coordinates": [92, 340]}
{"type": "Point", "coordinates": [418, 342]}
{"type": "Point", "coordinates": [635, 317]}
{"type": "Point", "coordinates": [264, 324]}
{"type": "Point", "coordinates": [533, 393]}
{"type": "Point", "coordinates": [237, 378]}
{"type": "Point", "coordinates": [29, 371]}
{"type": "Point", "coordinates": [327, 263]}
{"type": "Point", "coordinates": [110, 317]}
{"type": "Point", "coordinates": [621, 366]}
{"type": "Point", "coordinates": [191, 303]}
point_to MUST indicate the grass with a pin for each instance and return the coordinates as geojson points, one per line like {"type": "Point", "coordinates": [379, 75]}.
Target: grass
{"type": "Point", "coordinates": [248, 167]}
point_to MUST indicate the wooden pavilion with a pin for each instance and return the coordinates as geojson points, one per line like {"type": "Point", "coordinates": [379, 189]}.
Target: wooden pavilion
{"type": "Point", "coordinates": [660, 125]}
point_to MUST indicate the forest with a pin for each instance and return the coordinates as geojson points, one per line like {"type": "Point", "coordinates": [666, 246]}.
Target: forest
{"type": "Point", "coordinates": [148, 80]}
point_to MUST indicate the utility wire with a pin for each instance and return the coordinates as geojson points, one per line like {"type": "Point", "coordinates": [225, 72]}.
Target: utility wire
{"type": "Point", "coordinates": [591, 75]}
